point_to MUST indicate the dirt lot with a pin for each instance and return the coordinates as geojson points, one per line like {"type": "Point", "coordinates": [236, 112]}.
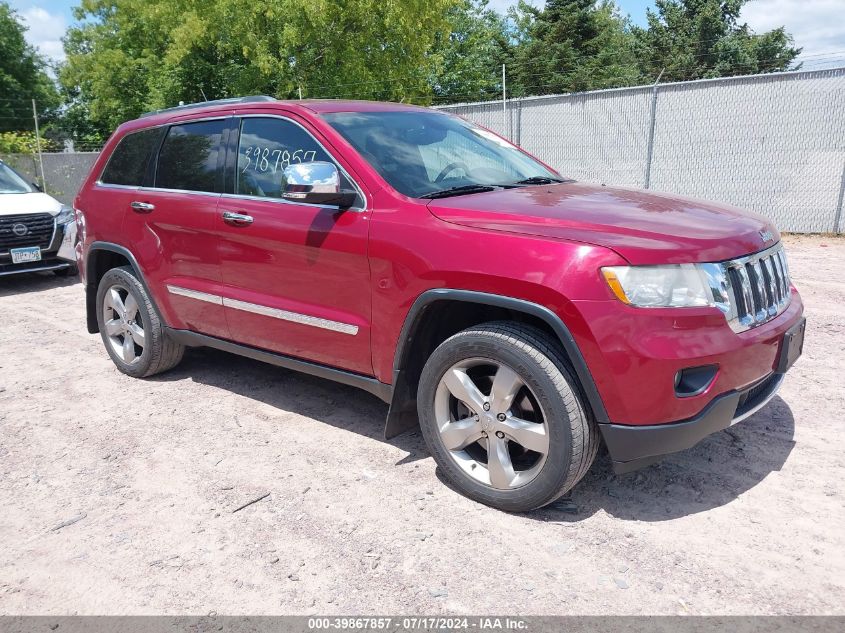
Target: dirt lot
{"type": "Point", "coordinates": [117, 494]}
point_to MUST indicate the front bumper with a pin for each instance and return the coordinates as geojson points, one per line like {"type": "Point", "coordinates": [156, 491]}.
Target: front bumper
{"type": "Point", "coordinates": [59, 254]}
{"type": "Point", "coordinates": [635, 354]}
{"type": "Point", "coordinates": [45, 265]}
{"type": "Point", "coordinates": [634, 447]}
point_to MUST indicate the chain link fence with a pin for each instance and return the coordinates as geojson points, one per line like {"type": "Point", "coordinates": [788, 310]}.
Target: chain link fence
{"type": "Point", "coordinates": [64, 172]}
{"type": "Point", "coordinates": [774, 144]}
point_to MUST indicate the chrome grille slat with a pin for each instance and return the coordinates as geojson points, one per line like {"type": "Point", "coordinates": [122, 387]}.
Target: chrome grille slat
{"type": "Point", "coordinates": [759, 291]}
{"type": "Point", "coordinates": [760, 288]}
{"type": "Point", "coordinates": [771, 285]}
{"type": "Point", "coordinates": [780, 260]}
{"type": "Point", "coordinates": [746, 313]}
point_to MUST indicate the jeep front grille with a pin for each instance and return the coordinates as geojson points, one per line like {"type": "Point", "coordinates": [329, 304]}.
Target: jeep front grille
{"type": "Point", "coordinates": [37, 231]}
{"type": "Point", "coordinates": [759, 286]}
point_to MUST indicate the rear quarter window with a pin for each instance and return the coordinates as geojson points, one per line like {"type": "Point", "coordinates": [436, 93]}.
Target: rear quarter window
{"type": "Point", "coordinates": [129, 160]}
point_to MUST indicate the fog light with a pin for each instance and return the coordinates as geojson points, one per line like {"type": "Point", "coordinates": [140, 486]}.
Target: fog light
{"type": "Point", "coordinates": [694, 381]}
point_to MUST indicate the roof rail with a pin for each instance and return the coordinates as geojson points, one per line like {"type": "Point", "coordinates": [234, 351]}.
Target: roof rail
{"type": "Point", "coordinates": [202, 104]}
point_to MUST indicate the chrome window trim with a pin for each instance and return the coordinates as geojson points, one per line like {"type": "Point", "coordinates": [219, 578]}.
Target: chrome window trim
{"type": "Point", "coordinates": [276, 313]}
{"type": "Point", "coordinates": [236, 196]}
{"type": "Point", "coordinates": [108, 185]}
{"type": "Point", "coordinates": [340, 166]}
{"type": "Point", "coordinates": [99, 182]}
{"type": "Point", "coordinates": [159, 189]}
{"type": "Point", "coordinates": [191, 191]}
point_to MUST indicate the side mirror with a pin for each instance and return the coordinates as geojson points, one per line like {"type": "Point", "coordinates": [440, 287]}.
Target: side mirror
{"type": "Point", "coordinates": [316, 182]}
{"type": "Point", "coordinates": [37, 186]}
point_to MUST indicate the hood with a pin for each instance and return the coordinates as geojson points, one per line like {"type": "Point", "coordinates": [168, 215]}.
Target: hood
{"type": "Point", "coordinates": [37, 202]}
{"type": "Point", "coordinates": [644, 227]}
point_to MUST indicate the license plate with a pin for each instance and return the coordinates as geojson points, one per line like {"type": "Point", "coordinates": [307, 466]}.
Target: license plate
{"type": "Point", "coordinates": [792, 346]}
{"type": "Point", "coordinates": [28, 254]}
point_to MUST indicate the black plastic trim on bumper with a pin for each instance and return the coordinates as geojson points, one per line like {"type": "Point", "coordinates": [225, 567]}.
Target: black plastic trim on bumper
{"type": "Point", "coordinates": [634, 447]}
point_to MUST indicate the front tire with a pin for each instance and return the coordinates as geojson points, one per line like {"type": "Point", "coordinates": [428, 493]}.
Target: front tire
{"type": "Point", "coordinates": [131, 330]}
{"type": "Point", "coordinates": [502, 416]}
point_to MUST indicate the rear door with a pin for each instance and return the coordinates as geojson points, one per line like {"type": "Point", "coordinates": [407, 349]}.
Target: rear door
{"type": "Point", "coordinates": [125, 173]}
{"type": "Point", "coordinates": [296, 276]}
{"type": "Point", "coordinates": [170, 225]}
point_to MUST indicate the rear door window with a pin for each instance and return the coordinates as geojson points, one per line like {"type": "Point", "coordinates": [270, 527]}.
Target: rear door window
{"type": "Point", "coordinates": [129, 161]}
{"type": "Point", "coordinates": [189, 157]}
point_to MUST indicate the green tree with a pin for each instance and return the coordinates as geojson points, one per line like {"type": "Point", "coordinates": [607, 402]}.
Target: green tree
{"type": "Point", "coordinates": [697, 39]}
{"type": "Point", "coordinates": [23, 75]}
{"type": "Point", "coordinates": [134, 55]}
{"type": "Point", "coordinates": [571, 45]}
{"type": "Point", "coordinates": [468, 57]}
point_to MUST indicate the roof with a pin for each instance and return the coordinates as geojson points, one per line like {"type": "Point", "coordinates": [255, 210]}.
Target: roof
{"type": "Point", "coordinates": [324, 106]}
{"type": "Point", "coordinates": [318, 106]}
{"type": "Point", "coordinates": [262, 103]}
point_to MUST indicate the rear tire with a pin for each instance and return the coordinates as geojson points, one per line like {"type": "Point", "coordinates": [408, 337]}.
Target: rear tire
{"type": "Point", "coordinates": [517, 396]}
{"type": "Point", "coordinates": [130, 328]}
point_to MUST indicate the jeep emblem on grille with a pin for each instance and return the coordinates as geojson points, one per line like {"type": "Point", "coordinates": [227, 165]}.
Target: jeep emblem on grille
{"type": "Point", "coordinates": [766, 236]}
{"type": "Point", "coordinates": [19, 229]}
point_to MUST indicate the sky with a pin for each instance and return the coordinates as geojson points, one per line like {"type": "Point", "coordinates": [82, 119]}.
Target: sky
{"type": "Point", "coordinates": [817, 25]}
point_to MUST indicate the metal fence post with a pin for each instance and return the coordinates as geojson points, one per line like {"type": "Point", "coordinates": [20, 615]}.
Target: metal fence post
{"type": "Point", "coordinates": [505, 127]}
{"type": "Point", "coordinates": [651, 123]}
{"type": "Point", "coordinates": [38, 146]}
{"type": "Point", "coordinates": [837, 217]}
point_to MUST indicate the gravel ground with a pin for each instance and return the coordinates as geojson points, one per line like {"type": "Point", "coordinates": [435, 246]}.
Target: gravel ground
{"type": "Point", "coordinates": [119, 495]}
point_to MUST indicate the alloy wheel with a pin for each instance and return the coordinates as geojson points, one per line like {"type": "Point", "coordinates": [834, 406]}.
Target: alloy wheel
{"type": "Point", "coordinates": [491, 423]}
{"type": "Point", "coordinates": [123, 325]}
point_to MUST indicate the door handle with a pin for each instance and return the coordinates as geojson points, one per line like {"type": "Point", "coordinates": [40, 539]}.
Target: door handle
{"type": "Point", "coordinates": [237, 219]}
{"type": "Point", "coordinates": [141, 207]}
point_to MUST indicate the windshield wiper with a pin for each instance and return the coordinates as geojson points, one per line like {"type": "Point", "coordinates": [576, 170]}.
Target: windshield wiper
{"type": "Point", "coordinates": [459, 191]}
{"type": "Point", "coordinates": [539, 180]}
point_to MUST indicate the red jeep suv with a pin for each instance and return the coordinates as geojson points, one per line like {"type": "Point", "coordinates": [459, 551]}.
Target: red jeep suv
{"type": "Point", "coordinates": [516, 316]}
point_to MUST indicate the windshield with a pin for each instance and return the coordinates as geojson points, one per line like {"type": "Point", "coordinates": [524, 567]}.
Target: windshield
{"type": "Point", "coordinates": [420, 153]}
{"type": "Point", "coordinates": [11, 182]}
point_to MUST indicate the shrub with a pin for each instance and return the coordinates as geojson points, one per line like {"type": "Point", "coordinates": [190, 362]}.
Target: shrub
{"type": "Point", "coordinates": [24, 143]}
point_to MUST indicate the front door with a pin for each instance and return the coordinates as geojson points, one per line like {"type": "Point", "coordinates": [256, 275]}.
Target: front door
{"type": "Point", "coordinates": [295, 276]}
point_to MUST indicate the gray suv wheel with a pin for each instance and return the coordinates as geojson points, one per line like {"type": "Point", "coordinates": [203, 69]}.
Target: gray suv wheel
{"type": "Point", "coordinates": [503, 418]}
{"type": "Point", "coordinates": [131, 330]}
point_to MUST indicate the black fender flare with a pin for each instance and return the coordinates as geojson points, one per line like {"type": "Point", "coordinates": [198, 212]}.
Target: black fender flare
{"type": "Point", "coordinates": [402, 413]}
{"type": "Point", "coordinates": [91, 284]}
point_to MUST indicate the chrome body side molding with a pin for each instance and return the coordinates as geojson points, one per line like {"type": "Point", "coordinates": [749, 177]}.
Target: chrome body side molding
{"type": "Point", "coordinates": [276, 313]}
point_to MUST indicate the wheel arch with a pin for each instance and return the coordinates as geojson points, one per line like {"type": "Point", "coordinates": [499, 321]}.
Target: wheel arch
{"type": "Point", "coordinates": [102, 257]}
{"type": "Point", "coordinates": [422, 331]}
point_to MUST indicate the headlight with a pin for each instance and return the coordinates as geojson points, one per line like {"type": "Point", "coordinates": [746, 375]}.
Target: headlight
{"type": "Point", "coordinates": [673, 286]}
{"type": "Point", "coordinates": [65, 215]}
